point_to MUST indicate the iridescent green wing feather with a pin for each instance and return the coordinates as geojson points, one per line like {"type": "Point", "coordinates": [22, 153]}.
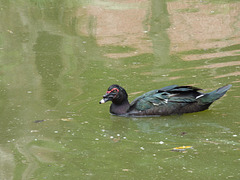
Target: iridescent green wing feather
{"type": "Point", "coordinates": [166, 97]}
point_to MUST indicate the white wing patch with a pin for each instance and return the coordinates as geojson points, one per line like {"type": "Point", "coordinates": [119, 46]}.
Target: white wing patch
{"type": "Point", "coordinates": [200, 96]}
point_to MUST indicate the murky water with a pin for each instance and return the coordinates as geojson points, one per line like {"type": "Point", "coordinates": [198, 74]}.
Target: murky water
{"type": "Point", "coordinates": [58, 58]}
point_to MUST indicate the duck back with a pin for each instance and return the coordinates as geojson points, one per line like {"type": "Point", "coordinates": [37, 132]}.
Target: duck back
{"type": "Point", "coordinates": [174, 100]}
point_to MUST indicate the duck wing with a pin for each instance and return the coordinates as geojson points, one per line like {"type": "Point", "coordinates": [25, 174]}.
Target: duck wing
{"type": "Point", "coordinates": [170, 97]}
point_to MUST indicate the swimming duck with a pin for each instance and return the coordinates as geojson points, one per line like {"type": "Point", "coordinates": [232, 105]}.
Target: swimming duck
{"type": "Point", "coordinates": [169, 100]}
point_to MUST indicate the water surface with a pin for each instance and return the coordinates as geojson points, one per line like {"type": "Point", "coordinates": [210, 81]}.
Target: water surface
{"type": "Point", "coordinates": [58, 58]}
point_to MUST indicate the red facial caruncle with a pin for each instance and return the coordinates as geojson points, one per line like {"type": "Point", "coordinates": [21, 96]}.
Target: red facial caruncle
{"type": "Point", "coordinates": [113, 89]}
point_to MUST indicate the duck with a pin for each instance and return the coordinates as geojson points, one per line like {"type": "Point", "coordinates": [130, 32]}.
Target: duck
{"type": "Point", "coordinates": [168, 100]}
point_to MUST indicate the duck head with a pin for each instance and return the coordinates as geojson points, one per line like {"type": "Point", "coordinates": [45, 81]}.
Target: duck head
{"type": "Point", "coordinates": [116, 94]}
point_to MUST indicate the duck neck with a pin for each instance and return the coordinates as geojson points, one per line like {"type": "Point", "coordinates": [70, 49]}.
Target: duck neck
{"type": "Point", "coordinates": [119, 109]}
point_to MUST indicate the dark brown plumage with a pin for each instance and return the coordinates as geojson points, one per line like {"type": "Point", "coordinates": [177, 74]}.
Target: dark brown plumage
{"type": "Point", "coordinates": [165, 101]}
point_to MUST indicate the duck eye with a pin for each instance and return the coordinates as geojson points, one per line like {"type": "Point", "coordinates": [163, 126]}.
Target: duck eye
{"type": "Point", "coordinates": [115, 90]}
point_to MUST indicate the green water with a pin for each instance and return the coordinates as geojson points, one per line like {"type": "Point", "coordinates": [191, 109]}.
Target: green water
{"type": "Point", "coordinates": [57, 59]}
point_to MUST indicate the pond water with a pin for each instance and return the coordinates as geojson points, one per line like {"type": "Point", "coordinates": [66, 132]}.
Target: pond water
{"type": "Point", "coordinates": [58, 58]}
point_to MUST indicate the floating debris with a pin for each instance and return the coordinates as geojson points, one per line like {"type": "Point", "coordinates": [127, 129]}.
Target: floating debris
{"type": "Point", "coordinates": [50, 110]}
{"type": "Point", "coordinates": [183, 133]}
{"type": "Point", "coordinates": [38, 121]}
{"type": "Point", "coordinates": [10, 31]}
{"type": "Point", "coordinates": [181, 148]}
{"type": "Point", "coordinates": [67, 119]}
{"type": "Point", "coordinates": [34, 131]}
{"type": "Point", "coordinates": [116, 139]}
{"type": "Point", "coordinates": [160, 142]}
{"type": "Point", "coordinates": [85, 122]}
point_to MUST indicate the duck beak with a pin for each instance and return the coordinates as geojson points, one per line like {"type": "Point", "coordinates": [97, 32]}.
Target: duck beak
{"type": "Point", "coordinates": [107, 97]}
{"type": "Point", "coordinates": [103, 101]}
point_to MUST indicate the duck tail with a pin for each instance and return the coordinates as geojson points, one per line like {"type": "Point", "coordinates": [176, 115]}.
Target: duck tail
{"type": "Point", "coordinates": [209, 98]}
